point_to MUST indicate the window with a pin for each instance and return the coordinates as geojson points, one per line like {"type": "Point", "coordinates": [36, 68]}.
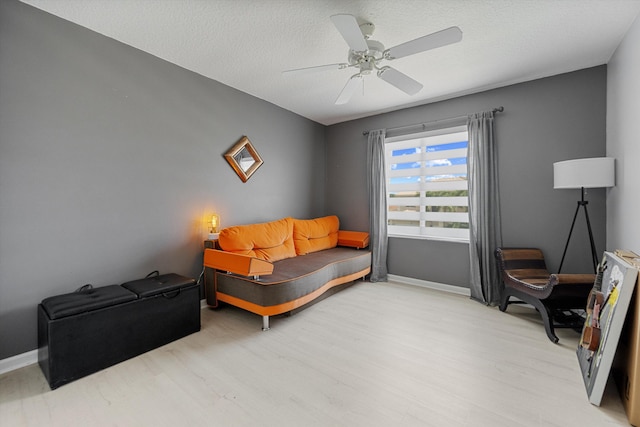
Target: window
{"type": "Point", "coordinates": [427, 187]}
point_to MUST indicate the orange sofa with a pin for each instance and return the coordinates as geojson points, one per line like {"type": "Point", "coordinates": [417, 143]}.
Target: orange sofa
{"type": "Point", "coordinates": [276, 267]}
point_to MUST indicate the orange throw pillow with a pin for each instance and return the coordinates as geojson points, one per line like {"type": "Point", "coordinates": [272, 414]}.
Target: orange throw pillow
{"type": "Point", "coordinates": [270, 241]}
{"type": "Point", "coordinates": [312, 235]}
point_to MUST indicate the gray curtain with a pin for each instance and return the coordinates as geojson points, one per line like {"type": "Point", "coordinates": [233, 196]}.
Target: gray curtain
{"type": "Point", "coordinates": [376, 187]}
{"type": "Point", "coordinates": [485, 233]}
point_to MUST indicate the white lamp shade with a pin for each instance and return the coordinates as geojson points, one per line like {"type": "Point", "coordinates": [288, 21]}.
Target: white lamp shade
{"type": "Point", "coordinates": [596, 172]}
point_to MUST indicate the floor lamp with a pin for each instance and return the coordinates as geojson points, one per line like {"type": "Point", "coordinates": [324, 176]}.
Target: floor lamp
{"type": "Point", "coordinates": [597, 172]}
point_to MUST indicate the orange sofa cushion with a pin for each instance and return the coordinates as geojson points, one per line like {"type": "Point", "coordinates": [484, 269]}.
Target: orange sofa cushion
{"type": "Point", "coordinates": [270, 241]}
{"type": "Point", "coordinates": [313, 235]}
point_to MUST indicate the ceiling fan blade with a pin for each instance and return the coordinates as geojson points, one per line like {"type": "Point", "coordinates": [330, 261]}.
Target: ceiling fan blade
{"type": "Point", "coordinates": [399, 80]}
{"type": "Point", "coordinates": [430, 41]}
{"type": "Point", "coordinates": [349, 89]}
{"type": "Point", "coordinates": [350, 30]}
{"type": "Point", "coordinates": [317, 68]}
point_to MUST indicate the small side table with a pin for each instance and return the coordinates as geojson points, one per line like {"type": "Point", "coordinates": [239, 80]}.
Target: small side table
{"type": "Point", "coordinates": [209, 277]}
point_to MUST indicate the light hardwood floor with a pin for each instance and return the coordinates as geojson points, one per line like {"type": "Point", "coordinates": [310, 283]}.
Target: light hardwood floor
{"type": "Point", "coordinates": [382, 354]}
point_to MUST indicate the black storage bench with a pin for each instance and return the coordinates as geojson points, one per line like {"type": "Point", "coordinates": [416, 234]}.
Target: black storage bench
{"type": "Point", "coordinates": [85, 331]}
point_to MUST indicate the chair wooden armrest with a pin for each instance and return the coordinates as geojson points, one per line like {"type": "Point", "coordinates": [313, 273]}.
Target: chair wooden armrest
{"type": "Point", "coordinates": [568, 279]}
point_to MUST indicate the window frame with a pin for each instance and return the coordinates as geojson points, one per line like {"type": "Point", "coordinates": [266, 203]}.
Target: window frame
{"type": "Point", "coordinates": [441, 234]}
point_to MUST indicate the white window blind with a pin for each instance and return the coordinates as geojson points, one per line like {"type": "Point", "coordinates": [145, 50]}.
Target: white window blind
{"type": "Point", "coordinates": [427, 187]}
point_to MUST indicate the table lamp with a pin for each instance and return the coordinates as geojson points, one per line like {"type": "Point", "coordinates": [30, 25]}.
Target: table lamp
{"type": "Point", "coordinates": [214, 227]}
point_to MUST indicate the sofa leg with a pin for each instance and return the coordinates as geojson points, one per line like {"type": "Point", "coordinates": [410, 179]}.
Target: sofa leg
{"type": "Point", "coordinates": [265, 323]}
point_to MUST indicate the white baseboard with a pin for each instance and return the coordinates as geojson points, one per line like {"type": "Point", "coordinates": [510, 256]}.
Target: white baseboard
{"type": "Point", "coordinates": [18, 361]}
{"type": "Point", "coordinates": [431, 285]}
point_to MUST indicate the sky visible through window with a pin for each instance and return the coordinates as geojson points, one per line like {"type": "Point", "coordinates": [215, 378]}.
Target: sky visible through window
{"type": "Point", "coordinates": [448, 161]}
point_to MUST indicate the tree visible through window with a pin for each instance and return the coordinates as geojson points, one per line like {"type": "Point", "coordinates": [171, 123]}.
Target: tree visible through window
{"type": "Point", "coordinates": [427, 187]}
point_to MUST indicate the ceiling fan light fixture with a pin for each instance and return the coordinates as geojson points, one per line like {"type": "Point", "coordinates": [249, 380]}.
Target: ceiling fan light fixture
{"type": "Point", "coordinates": [367, 66]}
{"type": "Point", "coordinates": [375, 53]}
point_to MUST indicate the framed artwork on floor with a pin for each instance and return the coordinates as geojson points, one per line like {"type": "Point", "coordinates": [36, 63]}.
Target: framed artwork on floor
{"type": "Point", "coordinates": [606, 311]}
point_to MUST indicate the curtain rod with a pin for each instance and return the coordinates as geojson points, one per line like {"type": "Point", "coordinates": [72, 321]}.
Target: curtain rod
{"type": "Point", "coordinates": [499, 109]}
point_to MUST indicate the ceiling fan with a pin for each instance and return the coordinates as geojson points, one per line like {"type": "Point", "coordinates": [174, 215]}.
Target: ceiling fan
{"type": "Point", "coordinates": [366, 55]}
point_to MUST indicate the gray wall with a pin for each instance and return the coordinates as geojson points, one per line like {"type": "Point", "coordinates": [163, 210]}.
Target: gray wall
{"type": "Point", "coordinates": [623, 110]}
{"type": "Point", "coordinates": [545, 121]}
{"type": "Point", "coordinates": [111, 158]}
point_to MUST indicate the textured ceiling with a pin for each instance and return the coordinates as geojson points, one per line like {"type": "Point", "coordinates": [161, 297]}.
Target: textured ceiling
{"type": "Point", "coordinates": [246, 44]}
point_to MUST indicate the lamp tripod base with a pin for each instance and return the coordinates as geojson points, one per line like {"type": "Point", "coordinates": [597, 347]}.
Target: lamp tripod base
{"type": "Point", "coordinates": [594, 257]}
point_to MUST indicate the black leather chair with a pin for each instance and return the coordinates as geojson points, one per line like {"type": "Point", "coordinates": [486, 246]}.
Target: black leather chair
{"type": "Point", "coordinates": [526, 277]}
